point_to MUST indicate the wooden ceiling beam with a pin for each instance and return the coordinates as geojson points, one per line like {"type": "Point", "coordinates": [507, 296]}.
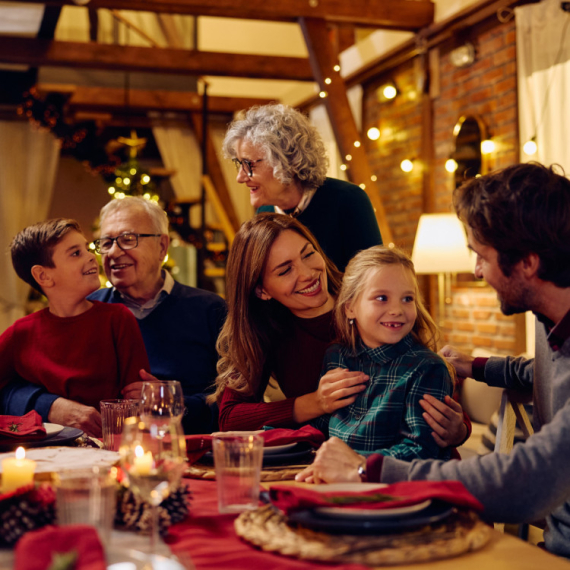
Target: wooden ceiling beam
{"type": "Point", "coordinates": [37, 53]}
{"type": "Point", "coordinates": [109, 100]}
{"type": "Point", "coordinates": [323, 60]}
{"type": "Point", "coordinates": [408, 15]}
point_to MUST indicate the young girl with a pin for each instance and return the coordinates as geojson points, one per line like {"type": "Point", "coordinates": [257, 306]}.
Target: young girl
{"type": "Point", "coordinates": [385, 332]}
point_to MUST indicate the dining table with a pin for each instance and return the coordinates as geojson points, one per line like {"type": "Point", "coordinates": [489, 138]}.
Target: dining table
{"type": "Point", "coordinates": [210, 540]}
{"type": "Point", "coordinates": [207, 540]}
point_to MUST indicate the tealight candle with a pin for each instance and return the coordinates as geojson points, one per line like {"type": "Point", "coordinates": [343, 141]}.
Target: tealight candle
{"type": "Point", "coordinates": [17, 471]}
{"type": "Point", "coordinates": [142, 463]}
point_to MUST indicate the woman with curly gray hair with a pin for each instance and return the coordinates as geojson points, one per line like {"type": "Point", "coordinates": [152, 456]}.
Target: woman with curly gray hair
{"type": "Point", "coordinates": [281, 158]}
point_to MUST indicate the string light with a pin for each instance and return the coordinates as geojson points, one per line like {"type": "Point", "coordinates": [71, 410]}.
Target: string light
{"type": "Point", "coordinates": [357, 144]}
{"type": "Point", "coordinates": [343, 167]}
{"type": "Point", "coordinates": [336, 67]}
{"type": "Point", "coordinates": [407, 165]}
{"type": "Point", "coordinates": [374, 178]}
{"type": "Point", "coordinates": [328, 81]}
{"type": "Point", "coordinates": [373, 133]}
{"type": "Point", "coordinates": [322, 94]}
{"type": "Point", "coordinates": [348, 157]}
{"type": "Point", "coordinates": [530, 147]}
{"type": "Point", "coordinates": [487, 146]}
{"type": "Point", "coordinates": [451, 165]}
{"type": "Point", "coordinates": [363, 186]}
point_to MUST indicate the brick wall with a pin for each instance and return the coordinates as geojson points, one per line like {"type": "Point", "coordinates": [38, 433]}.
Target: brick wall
{"type": "Point", "coordinates": [487, 89]}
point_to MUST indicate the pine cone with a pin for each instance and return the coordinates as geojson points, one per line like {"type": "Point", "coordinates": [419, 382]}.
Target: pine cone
{"type": "Point", "coordinates": [135, 514]}
{"type": "Point", "coordinates": [21, 513]}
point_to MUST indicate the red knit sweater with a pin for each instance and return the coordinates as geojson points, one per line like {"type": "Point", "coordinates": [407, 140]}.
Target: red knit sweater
{"type": "Point", "coordinates": [86, 358]}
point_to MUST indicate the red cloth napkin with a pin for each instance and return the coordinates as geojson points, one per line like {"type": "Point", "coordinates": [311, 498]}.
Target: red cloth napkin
{"type": "Point", "coordinates": [289, 499]}
{"type": "Point", "coordinates": [35, 550]}
{"type": "Point", "coordinates": [29, 426]}
{"type": "Point", "coordinates": [198, 445]}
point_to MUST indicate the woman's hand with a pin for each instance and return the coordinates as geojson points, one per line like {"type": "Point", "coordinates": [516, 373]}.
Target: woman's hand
{"type": "Point", "coordinates": [445, 419]}
{"type": "Point", "coordinates": [337, 388]}
{"type": "Point", "coordinates": [335, 462]}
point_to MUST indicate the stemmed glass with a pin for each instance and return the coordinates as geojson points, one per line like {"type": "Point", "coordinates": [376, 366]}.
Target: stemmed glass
{"type": "Point", "coordinates": [162, 400]}
{"type": "Point", "coordinates": [153, 457]}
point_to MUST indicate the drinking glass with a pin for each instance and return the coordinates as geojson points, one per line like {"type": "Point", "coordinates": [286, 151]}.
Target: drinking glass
{"type": "Point", "coordinates": [161, 401]}
{"type": "Point", "coordinates": [153, 457]}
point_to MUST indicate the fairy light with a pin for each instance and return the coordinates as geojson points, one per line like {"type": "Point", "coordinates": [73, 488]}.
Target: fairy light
{"type": "Point", "coordinates": [451, 165]}
{"type": "Point", "coordinates": [530, 147]}
{"type": "Point", "coordinates": [336, 68]}
{"type": "Point", "coordinates": [374, 178]}
{"type": "Point", "coordinates": [407, 165]}
{"type": "Point", "coordinates": [328, 81]}
{"type": "Point", "coordinates": [373, 133]}
{"type": "Point", "coordinates": [348, 157]}
{"type": "Point", "coordinates": [343, 167]}
{"type": "Point", "coordinates": [322, 94]}
{"type": "Point", "coordinates": [487, 146]}
{"type": "Point", "coordinates": [357, 144]}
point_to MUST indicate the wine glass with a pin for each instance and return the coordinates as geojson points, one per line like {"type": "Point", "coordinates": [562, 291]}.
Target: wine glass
{"type": "Point", "coordinates": [153, 458]}
{"type": "Point", "coordinates": [162, 400]}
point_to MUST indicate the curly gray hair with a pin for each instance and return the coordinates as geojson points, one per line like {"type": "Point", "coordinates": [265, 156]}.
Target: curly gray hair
{"type": "Point", "coordinates": [293, 147]}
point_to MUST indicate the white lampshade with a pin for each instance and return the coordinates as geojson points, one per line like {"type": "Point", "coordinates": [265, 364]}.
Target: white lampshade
{"type": "Point", "coordinates": [441, 246]}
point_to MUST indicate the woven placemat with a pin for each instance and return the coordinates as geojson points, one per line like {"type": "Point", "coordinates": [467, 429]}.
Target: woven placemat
{"type": "Point", "coordinates": [200, 471]}
{"type": "Point", "coordinates": [267, 529]}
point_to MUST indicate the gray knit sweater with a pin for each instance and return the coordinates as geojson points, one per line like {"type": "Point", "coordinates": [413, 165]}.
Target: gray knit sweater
{"type": "Point", "coordinates": [533, 481]}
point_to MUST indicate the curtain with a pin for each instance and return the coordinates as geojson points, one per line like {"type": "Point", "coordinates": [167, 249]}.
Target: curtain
{"type": "Point", "coordinates": [28, 165]}
{"type": "Point", "coordinates": [543, 69]}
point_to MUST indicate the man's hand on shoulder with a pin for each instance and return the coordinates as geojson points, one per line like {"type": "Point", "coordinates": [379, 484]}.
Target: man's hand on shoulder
{"type": "Point", "coordinates": [463, 363]}
{"type": "Point", "coordinates": [69, 413]}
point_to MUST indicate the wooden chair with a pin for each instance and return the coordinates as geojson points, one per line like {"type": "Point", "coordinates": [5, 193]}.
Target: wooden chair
{"type": "Point", "coordinates": [511, 412]}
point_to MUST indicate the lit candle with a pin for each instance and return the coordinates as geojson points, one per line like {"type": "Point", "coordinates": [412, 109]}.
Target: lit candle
{"type": "Point", "coordinates": [143, 461]}
{"type": "Point", "coordinates": [17, 471]}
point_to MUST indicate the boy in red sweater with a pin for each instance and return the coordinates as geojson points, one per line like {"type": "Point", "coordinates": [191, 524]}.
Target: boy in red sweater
{"type": "Point", "coordinates": [81, 350]}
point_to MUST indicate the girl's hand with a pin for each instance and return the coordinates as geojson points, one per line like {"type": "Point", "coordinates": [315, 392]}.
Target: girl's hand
{"type": "Point", "coordinates": [338, 388]}
{"type": "Point", "coordinates": [446, 419]}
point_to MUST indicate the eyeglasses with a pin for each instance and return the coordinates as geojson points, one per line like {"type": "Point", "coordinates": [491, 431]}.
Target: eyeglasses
{"type": "Point", "coordinates": [247, 165]}
{"type": "Point", "coordinates": [125, 242]}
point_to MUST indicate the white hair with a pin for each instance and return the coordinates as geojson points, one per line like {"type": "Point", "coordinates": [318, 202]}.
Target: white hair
{"type": "Point", "coordinates": [157, 215]}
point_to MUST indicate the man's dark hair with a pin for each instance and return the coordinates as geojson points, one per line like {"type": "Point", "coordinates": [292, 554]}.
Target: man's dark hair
{"type": "Point", "coordinates": [34, 246]}
{"type": "Point", "coordinates": [520, 210]}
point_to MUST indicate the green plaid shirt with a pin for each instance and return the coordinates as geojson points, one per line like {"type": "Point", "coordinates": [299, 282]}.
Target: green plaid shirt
{"type": "Point", "coordinates": [387, 417]}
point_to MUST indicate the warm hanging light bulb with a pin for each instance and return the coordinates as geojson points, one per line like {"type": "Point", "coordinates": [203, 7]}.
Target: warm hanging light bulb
{"type": "Point", "coordinates": [407, 165]}
{"type": "Point", "coordinates": [451, 165]}
{"type": "Point", "coordinates": [487, 146]}
{"type": "Point", "coordinates": [530, 146]}
{"type": "Point", "coordinates": [373, 133]}
{"type": "Point", "coordinates": [389, 91]}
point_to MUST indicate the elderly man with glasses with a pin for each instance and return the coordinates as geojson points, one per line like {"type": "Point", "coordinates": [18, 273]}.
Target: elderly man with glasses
{"type": "Point", "coordinates": [179, 324]}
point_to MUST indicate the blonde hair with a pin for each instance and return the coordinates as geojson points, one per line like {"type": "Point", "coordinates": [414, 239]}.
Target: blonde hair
{"type": "Point", "coordinates": [424, 331]}
{"type": "Point", "coordinates": [252, 325]}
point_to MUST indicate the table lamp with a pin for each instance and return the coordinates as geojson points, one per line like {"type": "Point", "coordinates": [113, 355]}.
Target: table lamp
{"type": "Point", "coordinates": [441, 247]}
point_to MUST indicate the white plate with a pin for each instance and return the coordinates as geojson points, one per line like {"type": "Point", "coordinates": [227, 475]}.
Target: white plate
{"type": "Point", "coordinates": [349, 512]}
{"type": "Point", "coordinates": [125, 559]}
{"type": "Point", "coordinates": [52, 429]}
{"type": "Point", "coordinates": [278, 448]}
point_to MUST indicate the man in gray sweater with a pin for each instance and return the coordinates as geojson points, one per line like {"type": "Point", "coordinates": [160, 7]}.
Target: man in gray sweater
{"type": "Point", "coordinates": [518, 224]}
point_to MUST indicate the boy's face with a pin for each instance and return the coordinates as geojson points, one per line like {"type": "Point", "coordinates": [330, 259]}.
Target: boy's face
{"type": "Point", "coordinates": [76, 268]}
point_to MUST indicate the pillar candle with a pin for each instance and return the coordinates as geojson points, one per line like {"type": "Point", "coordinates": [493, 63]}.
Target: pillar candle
{"type": "Point", "coordinates": [17, 471]}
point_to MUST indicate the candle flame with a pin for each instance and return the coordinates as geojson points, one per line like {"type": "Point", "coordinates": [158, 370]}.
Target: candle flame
{"type": "Point", "coordinates": [139, 451]}
{"type": "Point", "coordinates": [20, 453]}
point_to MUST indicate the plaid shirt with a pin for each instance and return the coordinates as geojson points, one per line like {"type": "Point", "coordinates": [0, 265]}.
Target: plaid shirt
{"type": "Point", "coordinates": [386, 418]}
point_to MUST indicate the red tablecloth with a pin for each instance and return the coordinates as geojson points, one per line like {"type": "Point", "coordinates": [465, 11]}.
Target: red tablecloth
{"type": "Point", "coordinates": [210, 540]}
